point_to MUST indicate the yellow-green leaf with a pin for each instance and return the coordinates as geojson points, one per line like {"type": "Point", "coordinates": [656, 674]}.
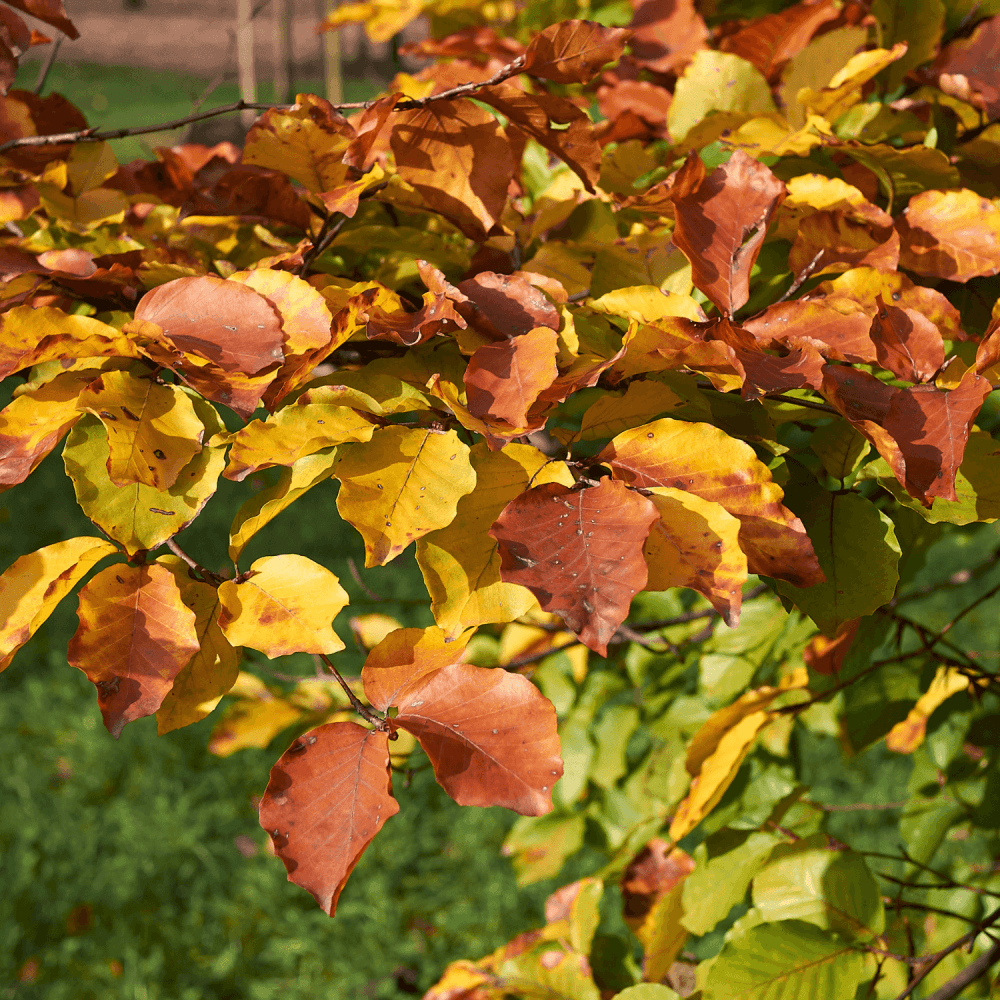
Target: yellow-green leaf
{"type": "Point", "coordinates": [401, 485]}
{"type": "Point", "coordinates": [460, 563]}
{"type": "Point", "coordinates": [286, 606]}
{"type": "Point", "coordinates": [844, 89]}
{"type": "Point", "coordinates": [32, 587]}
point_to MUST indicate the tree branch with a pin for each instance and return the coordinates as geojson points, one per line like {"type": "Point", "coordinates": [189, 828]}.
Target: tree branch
{"type": "Point", "coordinates": [356, 704]}
{"type": "Point", "coordinates": [969, 974]}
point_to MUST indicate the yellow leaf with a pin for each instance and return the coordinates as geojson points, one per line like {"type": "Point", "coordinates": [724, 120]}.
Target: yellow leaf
{"type": "Point", "coordinates": [252, 721]}
{"type": "Point", "coordinates": [717, 773]}
{"type": "Point", "coordinates": [88, 210]}
{"type": "Point", "coordinates": [89, 165]}
{"type": "Point", "coordinates": [844, 89]}
{"type": "Point", "coordinates": [460, 562]}
{"type": "Point", "coordinates": [662, 934]}
{"type": "Point", "coordinates": [381, 18]}
{"type": "Point", "coordinates": [139, 516]}
{"type": "Point", "coordinates": [212, 671]}
{"type": "Point", "coordinates": [370, 630]}
{"type": "Point", "coordinates": [401, 485]}
{"type": "Point", "coordinates": [153, 431]}
{"type": "Point", "coordinates": [695, 544]}
{"type": "Point", "coordinates": [646, 304]}
{"type": "Point", "coordinates": [906, 736]}
{"type": "Point", "coordinates": [307, 142]}
{"type": "Point", "coordinates": [266, 505]}
{"type": "Point", "coordinates": [643, 400]}
{"type": "Point", "coordinates": [372, 391]}
{"type": "Point", "coordinates": [286, 606]}
{"type": "Point", "coordinates": [32, 587]}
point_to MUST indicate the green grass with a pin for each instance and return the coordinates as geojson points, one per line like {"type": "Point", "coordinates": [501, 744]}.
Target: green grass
{"type": "Point", "coordinates": [123, 96]}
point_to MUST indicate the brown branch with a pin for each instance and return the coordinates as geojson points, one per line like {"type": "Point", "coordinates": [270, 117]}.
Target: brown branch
{"type": "Point", "coordinates": [778, 397]}
{"type": "Point", "coordinates": [353, 567]}
{"type": "Point", "coordinates": [205, 574]}
{"type": "Point", "coordinates": [969, 974]}
{"type": "Point", "coordinates": [363, 710]}
{"type": "Point", "coordinates": [50, 58]}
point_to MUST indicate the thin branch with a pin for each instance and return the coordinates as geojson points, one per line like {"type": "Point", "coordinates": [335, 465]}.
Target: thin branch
{"type": "Point", "coordinates": [50, 59]}
{"type": "Point", "coordinates": [523, 661]}
{"type": "Point", "coordinates": [326, 236]}
{"type": "Point", "coordinates": [802, 277]}
{"type": "Point", "coordinates": [205, 574]}
{"type": "Point", "coordinates": [363, 710]}
{"type": "Point", "coordinates": [353, 567]}
{"type": "Point", "coordinates": [969, 974]}
{"type": "Point", "coordinates": [777, 397]}
{"type": "Point", "coordinates": [856, 806]}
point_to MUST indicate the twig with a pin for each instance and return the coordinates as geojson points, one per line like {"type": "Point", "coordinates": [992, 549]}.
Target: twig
{"type": "Point", "coordinates": [50, 58]}
{"type": "Point", "coordinates": [856, 806]}
{"type": "Point", "coordinates": [777, 397]}
{"type": "Point", "coordinates": [327, 234]}
{"type": "Point", "coordinates": [361, 709]}
{"type": "Point", "coordinates": [523, 661]}
{"type": "Point", "coordinates": [353, 567]}
{"type": "Point", "coordinates": [969, 974]}
{"type": "Point", "coordinates": [802, 277]}
{"type": "Point", "coordinates": [205, 574]}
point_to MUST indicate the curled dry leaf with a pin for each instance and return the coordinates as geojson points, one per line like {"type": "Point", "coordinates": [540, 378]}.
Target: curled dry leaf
{"type": "Point", "coordinates": [491, 736]}
{"type": "Point", "coordinates": [285, 606]}
{"type": "Point", "coordinates": [579, 552]}
{"type": "Point", "coordinates": [329, 795]}
{"type": "Point", "coordinates": [135, 636]}
{"type": "Point", "coordinates": [226, 322]}
{"type": "Point", "coordinates": [704, 460]}
{"type": "Point", "coordinates": [573, 51]}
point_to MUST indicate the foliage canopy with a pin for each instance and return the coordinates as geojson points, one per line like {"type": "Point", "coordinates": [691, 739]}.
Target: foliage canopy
{"type": "Point", "coordinates": [703, 390]}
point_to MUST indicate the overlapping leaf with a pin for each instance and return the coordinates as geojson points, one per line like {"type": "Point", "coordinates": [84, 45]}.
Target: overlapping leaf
{"type": "Point", "coordinates": [573, 51]}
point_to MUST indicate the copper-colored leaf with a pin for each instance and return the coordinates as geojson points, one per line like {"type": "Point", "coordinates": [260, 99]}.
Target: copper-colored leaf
{"type": "Point", "coordinates": [579, 552]}
{"type": "Point", "coordinates": [491, 736]}
{"type": "Point", "coordinates": [135, 636]}
{"type": "Point", "coordinates": [770, 41]}
{"type": "Point", "coordinates": [573, 51]}
{"type": "Point", "coordinates": [572, 140]}
{"type": "Point", "coordinates": [50, 11]}
{"type": "Point", "coordinates": [666, 34]}
{"type": "Point", "coordinates": [458, 159]}
{"type": "Point", "coordinates": [950, 234]}
{"type": "Point", "coordinates": [223, 321]}
{"type": "Point", "coordinates": [835, 241]}
{"type": "Point", "coordinates": [704, 460]}
{"type": "Point", "coordinates": [907, 342]}
{"type": "Point", "coordinates": [721, 226]}
{"type": "Point", "coordinates": [329, 794]}
{"type": "Point", "coordinates": [404, 657]}
{"type": "Point", "coordinates": [654, 871]}
{"type": "Point", "coordinates": [967, 67]}
{"type": "Point", "coordinates": [838, 327]}
{"type": "Point", "coordinates": [501, 306]}
{"type": "Point", "coordinates": [504, 379]}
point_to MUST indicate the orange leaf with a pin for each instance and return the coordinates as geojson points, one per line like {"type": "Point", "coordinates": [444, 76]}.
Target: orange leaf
{"type": "Point", "coordinates": [490, 735]}
{"type": "Point", "coordinates": [502, 306]}
{"type": "Point", "coordinates": [838, 327]}
{"type": "Point", "coordinates": [504, 379]}
{"type": "Point", "coordinates": [579, 552]}
{"type": "Point", "coordinates": [330, 792]}
{"type": "Point", "coordinates": [721, 226]}
{"type": "Point", "coordinates": [458, 159]}
{"type": "Point", "coordinates": [967, 67]}
{"type": "Point", "coordinates": [835, 241]}
{"type": "Point", "coordinates": [405, 657]}
{"type": "Point", "coordinates": [223, 321]}
{"type": "Point", "coordinates": [50, 11]}
{"type": "Point", "coordinates": [135, 636]}
{"type": "Point", "coordinates": [573, 51]}
{"type": "Point", "coordinates": [666, 34]}
{"type": "Point", "coordinates": [907, 342]}
{"type": "Point", "coordinates": [704, 460]}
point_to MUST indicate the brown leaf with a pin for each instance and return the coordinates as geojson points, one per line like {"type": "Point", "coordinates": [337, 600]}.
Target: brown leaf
{"type": "Point", "coordinates": [907, 342]}
{"type": "Point", "coordinates": [704, 460]}
{"type": "Point", "coordinates": [837, 326]}
{"type": "Point", "coordinates": [666, 34]}
{"type": "Point", "coordinates": [507, 305]}
{"type": "Point", "coordinates": [769, 42]}
{"type": "Point", "coordinates": [439, 314]}
{"type": "Point", "coordinates": [505, 378]}
{"type": "Point", "coordinates": [652, 873]}
{"type": "Point", "coordinates": [834, 241]}
{"type": "Point", "coordinates": [367, 130]}
{"type": "Point", "coordinates": [50, 11]}
{"type": "Point", "coordinates": [967, 68]}
{"type": "Point", "coordinates": [640, 100]}
{"type": "Point", "coordinates": [721, 226]}
{"type": "Point", "coordinates": [23, 113]}
{"type": "Point", "coordinates": [573, 51]}
{"type": "Point", "coordinates": [223, 321]}
{"type": "Point", "coordinates": [248, 190]}
{"type": "Point", "coordinates": [535, 114]}
{"type": "Point", "coordinates": [329, 795]}
{"type": "Point", "coordinates": [456, 156]}
{"type": "Point", "coordinates": [491, 736]}
{"type": "Point", "coordinates": [135, 636]}
{"type": "Point", "coordinates": [579, 552]}
{"type": "Point", "coordinates": [950, 234]}
{"type": "Point", "coordinates": [802, 366]}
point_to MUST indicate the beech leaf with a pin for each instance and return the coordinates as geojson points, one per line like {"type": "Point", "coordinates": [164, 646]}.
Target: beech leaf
{"type": "Point", "coordinates": [285, 606]}
{"type": "Point", "coordinates": [329, 795]}
{"type": "Point", "coordinates": [907, 342]}
{"type": "Point", "coordinates": [906, 736]}
{"type": "Point", "coordinates": [31, 588]}
{"type": "Point", "coordinates": [135, 636]}
{"type": "Point", "coordinates": [491, 736]}
{"type": "Point", "coordinates": [579, 552]}
{"type": "Point", "coordinates": [573, 51]}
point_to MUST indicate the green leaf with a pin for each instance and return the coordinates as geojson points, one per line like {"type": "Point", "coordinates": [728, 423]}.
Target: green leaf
{"type": "Point", "coordinates": [790, 960]}
{"type": "Point", "coordinates": [839, 446]}
{"type": "Point", "coordinates": [832, 889]}
{"type": "Point", "coordinates": [925, 823]}
{"type": "Point", "coordinates": [611, 735]}
{"type": "Point", "coordinates": [647, 991]}
{"type": "Point", "coordinates": [577, 754]}
{"type": "Point", "coordinates": [719, 883]}
{"type": "Point", "coordinates": [857, 549]}
{"type": "Point", "coordinates": [875, 703]}
{"type": "Point", "coordinates": [551, 973]}
{"type": "Point", "coordinates": [539, 846]}
{"type": "Point", "coordinates": [919, 23]}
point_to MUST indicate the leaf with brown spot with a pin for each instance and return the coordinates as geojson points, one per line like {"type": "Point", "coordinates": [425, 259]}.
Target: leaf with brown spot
{"type": "Point", "coordinates": [329, 795]}
{"type": "Point", "coordinates": [579, 552]}
{"type": "Point", "coordinates": [573, 51]}
{"type": "Point", "coordinates": [491, 736]}
{"type": "Point", "coordinates": [907, 342]}
{"type": "Point", "coordinates": [695, 544]}
{"type": "Point", "coordinates": [456, 156]}
{"type": "Point", "coordinates": [285, 606]}
{"type": "Point", "coordinates": [153, 430]}
{"type": "Point", "coordinates": [504, 379]}
{"type": "Point", "coordinates": [704, 460]}
{"type": "Point", "coordinates": [225, 322]}
{"type": "Point", "coordinates": [802, 366]}
{"type": "Point", "coordinates": [404, 658]}
{"type": "Point", "coordinates": [721, 226]}
{"type": "Point", "coordinates": [950, 234]}
{"type": "Point", "coordinates": [135, 636]}
{"type": "Point", "coordinates": [439, 314]}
